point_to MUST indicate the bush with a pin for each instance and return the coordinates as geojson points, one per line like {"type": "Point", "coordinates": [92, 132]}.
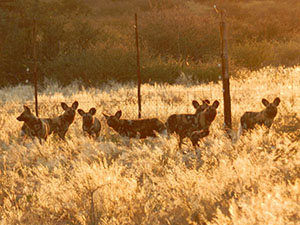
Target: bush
{"type": "Point", "coordinates": [178, 33]}
{"type": "Point", "coordinates": [92, 67]}
{"type": "Point", "coordinates": [288, 53]}
{"type": "Point", "coordinates": [252, 54]}
{"type": "Point", "coordinates": [61, 29]}
{"type": "Point", "coordinates": [94, 41]}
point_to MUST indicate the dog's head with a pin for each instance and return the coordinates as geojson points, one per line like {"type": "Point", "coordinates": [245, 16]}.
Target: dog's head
{"type": "Point", "coordinates": [87, 117]}
{"type": "Point", "coordinates": [26, 114]}
{"type": "Point", "coordinates": [113, 121]}
{"type": "Point", "coordinates": [69, 112]}
{"type": "Point", "coordinates": [271, 108]}
{"type": "Point", "coordinates": [210, 112]}
{"type": "Point", "coordinates": [200, 108]}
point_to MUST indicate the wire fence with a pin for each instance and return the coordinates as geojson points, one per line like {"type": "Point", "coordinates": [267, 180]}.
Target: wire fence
{"type": "Point", "coordinates": [160, 103]}
{"type": "Point", "coordinates": [154, 104]}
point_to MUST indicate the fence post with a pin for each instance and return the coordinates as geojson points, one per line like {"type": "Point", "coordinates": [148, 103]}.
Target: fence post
{"type": "Point", "coordinates": [35, 58]}
{"type": "Point", "coordinates": [138, 68]}
{"type": "Point", "coordinates": [35, 66]}
{"type": "Point", "coordinates": [225, 74]}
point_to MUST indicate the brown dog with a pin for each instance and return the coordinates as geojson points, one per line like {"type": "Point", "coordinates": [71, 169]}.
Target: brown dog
{"type": "Point", "coordinates": [264, 117]}
{"type": "Point", "coordinates": [90, 124]}
{"type": "Point", "coordinates": [185, 124]}
{"type": "Point", "coordinates": [206, 118]}
{"type": "Point", "coordinates": [60, 125]}
{"type": "Point", "coordinates": [135, 128]}
{"type": "Point", "coordinates": [33, 126]}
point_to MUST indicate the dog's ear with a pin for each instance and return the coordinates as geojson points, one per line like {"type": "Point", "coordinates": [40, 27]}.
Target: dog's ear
{"type": "Point", "coordinates": [106, 116]}
{"type": "Point", "coordinates": [265, 102]}
{"type": "Point", "coordinates": [195, 104]}
{"type": "Point", "coordinates": [64, 106]}
{"type": "Point", "coordinates": [75, 105]}
{"type": "Point", "coordinates": [276, 101]}
{"type": "Point", "coordinates": [118, 114]}
{"type": "Point", "coordinates": [216, 104]}
{"type": "Point", "coordinates": [92, 111]}
{"type": "Point", "coordinates": [81, 112]}
{"type": "Point", "coordinates": [26, 108]}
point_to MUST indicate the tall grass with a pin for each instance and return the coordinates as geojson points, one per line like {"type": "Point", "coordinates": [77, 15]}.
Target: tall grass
{"type": "Point", "coordinates": [113, 180]}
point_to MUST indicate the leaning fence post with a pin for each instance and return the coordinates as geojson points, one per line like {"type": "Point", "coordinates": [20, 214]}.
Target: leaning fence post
{"type": "Point", "coordinates": [138, 67]}
{"type": "Point", "coordinates": [225, 74]}
{"type": "Point", "coordinates": [35, 68]}
{"type": "Point", "coordinates": [35, 62]}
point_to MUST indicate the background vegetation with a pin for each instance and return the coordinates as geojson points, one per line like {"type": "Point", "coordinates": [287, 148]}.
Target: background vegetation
{"type": "Point", "coordinates": [93, 41]}
{"type": "Point", "coordinates": [254, 180]}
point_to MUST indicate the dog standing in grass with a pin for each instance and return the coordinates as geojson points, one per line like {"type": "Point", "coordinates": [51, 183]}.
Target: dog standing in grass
{"type": "Point", "coordinates": [135, 128]}
{"type": "Point", "coordinates": [90, 124]}
{"type": "Point", "coordinates": [60, 125]}
{"type": "Point", "coordinates": [264, 117]}
{"type": "Point", "coordinates": [206, 117]}
{"type": "Point", "coordinates": [33, 126]}
{"type": "Point", "coordinates": [193, 126]}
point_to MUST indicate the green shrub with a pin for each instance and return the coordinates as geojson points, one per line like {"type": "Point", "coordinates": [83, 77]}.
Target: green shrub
{"type": "Point", "coordinates": [179, 33]}
{"type": "Point", "coordinates": [61, 29]}
{"type": "Point", "coordinates": [91, 67]}
{"type": "Point", "coordinates": [80, 66]}
{"type": "Point", "coordinates": [159, 70]}
{"type": "Point", "coordinates": [287, 53]}
{"type": "Point", "coordinates": [94, 41]}
{"type": "Point", "coordinates": [252, 54]}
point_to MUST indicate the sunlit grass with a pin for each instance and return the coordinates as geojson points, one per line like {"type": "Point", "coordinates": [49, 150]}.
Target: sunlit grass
{"type": "Point", "coordinates": [114, 180]}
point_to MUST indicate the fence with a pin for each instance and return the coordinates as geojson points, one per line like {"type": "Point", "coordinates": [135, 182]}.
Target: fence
{"type": "Point", "coordinates": [224, 57]}
{"type": "Point", "coordinates": [163, 100]}
{"type": "Point", "coordinates": [157, 105]}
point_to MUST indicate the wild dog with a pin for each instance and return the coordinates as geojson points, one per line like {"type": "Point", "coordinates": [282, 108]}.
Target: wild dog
{"type": "Point", "coordinates": [175, 121]}
{"type": "Point", "coordinates": [193, 126]}
{"type": "Point", "coordinates": [27, 132]}
{"type": "Point", "coordinates": [264, 117]}
{"type": "Point", "coordinates": [208, 116]}
{"type": "Point", "coordinates": [90, 124]}
{"type": "Point", "coordinates": [181, 118]}
{"type": "Point", "coordinates": [141, 128]}
{"type": "Point", "coordinates": [33, 126]}
{"type": "Point", "coordinates": [60, 125]}
{"type": "Point", "coordinates": [200, 108]}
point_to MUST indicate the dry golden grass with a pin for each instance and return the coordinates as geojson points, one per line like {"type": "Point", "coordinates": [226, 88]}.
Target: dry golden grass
{"type": "Point", "coordinates": [112, 180]}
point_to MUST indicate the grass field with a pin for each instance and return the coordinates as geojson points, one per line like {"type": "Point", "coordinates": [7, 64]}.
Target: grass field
{"type": "Point", "coordinates": [253, 180]}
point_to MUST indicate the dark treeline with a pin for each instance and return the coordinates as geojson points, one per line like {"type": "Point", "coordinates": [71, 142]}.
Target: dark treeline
{"type": "Point", "coordinates": [93, 40]}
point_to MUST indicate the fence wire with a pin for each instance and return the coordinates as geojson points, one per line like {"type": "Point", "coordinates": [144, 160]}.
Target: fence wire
{"type": "Point", "coordinates": [161, 104]}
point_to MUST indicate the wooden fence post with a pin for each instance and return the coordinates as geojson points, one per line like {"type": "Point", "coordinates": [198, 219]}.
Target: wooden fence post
{"type": "Point", "coordinates": [138, 67]}
{"type": "Point", "coordinates": [35, 66]}
{"type": "Point", "coordinates": [225, 73]}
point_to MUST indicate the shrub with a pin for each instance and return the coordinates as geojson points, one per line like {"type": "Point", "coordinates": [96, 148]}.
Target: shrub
{"type": "Point", "coordinates": [179, 33]}
{"type": "Point", "coordinates": [94, 41]}
{"type": "Point", "coordinates": [252, 54]}
{"type": "Point", "coordinates": [287, 53]}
